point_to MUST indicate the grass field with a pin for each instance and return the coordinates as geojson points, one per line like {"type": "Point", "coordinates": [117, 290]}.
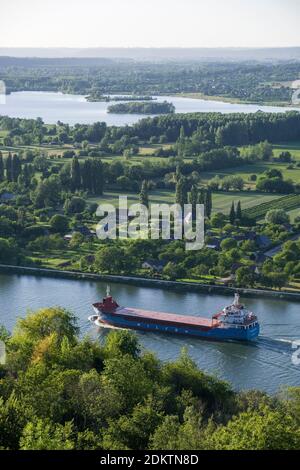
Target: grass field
{"type": "Point", "coordinates": [293, 148]}
{"type": "Point", "coordinates": [293, 214]}
{"type": "Point", "coordinates": [221, 201]}
{"type": "Point", "coordinates": [256, 169]}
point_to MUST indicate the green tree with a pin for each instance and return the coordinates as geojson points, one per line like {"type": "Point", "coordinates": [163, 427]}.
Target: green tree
{"type": "Point", "coordinates": [208, 203]}
{"type": "Point", "coordinates": [277, 216]}
{"type": "Point", "coordinates": [16, 168]}
{"type": "Point", "coordinates": [111, 259]}
{"type": "Point", "coordinates": [239, 214]}
{"type": "Point", "coordinates": [228, 244]}
{"type": "Point", "coordinates": [75, 174]}
{"type": "Point", "coordinates": [173, 270]}
{"type": "Point", "coordinates": [59, 223]}
{"type": "Point", "coordinates": [47, 193]}
{"type": "Point", "coordinates": [265, 429]}
{"type": "Point", "coordinates": [194, 199]}
{"type": "Point", "coordinates": [47, 321]}
{"type": "Point", "coordinates": [245, 277]}
{"type": "Point", "coordinates": [218, 220]}
{"type": "Point", "coordinates": [181, 192]}
{"type": "Point", "coordinates": [119, 343]}
{"type": "Point", "coordinates": [42, 434]}
{"type": "Point", "coordinates": [75, 205]}
{"type": "Point", "coordinates": [8, 251]}
{"type": "Point", "coordinates": [232, 214]}
{"type": "Point", "coordinates": [12, 421]}
{"type": "Point", "coordinates": [143, 197]}
{"type": "Point", "coordinates": [8, 167]}
{"type": "Point", "coordinates": [134, 431]}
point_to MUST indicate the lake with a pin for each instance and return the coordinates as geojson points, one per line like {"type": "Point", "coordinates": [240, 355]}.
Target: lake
{"type": "Point", "coordinates": [72, 109]}
{"type": "Point", "coordinates": [265, 364]}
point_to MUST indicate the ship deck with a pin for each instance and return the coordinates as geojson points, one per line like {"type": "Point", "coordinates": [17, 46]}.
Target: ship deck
{"type": "Point", "coordinates": [166, 317]}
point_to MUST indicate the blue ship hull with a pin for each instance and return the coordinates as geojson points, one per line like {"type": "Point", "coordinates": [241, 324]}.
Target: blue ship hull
{"type": "Point", "coordinates": [214, 333]}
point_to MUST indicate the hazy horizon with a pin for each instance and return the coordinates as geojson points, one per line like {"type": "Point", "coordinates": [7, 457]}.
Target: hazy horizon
{"type": "Point", "coordinates": [156, 24]}
{"type": "Point", "coordinates": [152, 53]}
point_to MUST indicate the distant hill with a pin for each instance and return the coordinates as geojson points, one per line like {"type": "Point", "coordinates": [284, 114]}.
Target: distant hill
{"type": "Point", "coordinates": [159, 54]}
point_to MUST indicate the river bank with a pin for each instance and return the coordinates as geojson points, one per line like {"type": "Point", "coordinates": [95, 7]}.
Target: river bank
{"type": "Point", "coordinates": [178, 286]}
{"type": "Point", "coordinates": [231, 100]}
{"type": "Point", "coordinates": [265, 364]}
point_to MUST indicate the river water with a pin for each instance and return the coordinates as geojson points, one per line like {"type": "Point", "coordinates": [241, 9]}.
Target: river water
{"type": "Point", "coordinates": [266, 364]}
{"type": "Point", "coordinates": [72, 109]}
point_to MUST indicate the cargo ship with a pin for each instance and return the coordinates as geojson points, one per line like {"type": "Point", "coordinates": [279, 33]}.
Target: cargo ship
{"type": "Point", "coordinates": [233, 322]}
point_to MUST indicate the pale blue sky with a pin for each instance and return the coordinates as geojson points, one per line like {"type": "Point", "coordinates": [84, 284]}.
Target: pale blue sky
{"type": "Point", "coordinates": [149, 23]}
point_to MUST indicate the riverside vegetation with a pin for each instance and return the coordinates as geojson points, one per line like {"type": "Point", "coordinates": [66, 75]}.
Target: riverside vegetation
{"type": "Point", "coordinates": [52, 178]}
{"type": "Point", "coordinates": [61, 392]}
{"type": "Point", "coordinates": [243, 82]}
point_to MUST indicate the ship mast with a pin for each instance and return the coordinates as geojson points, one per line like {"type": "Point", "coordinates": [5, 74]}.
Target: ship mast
{"type": "Point", "coordinates": [236, 301]}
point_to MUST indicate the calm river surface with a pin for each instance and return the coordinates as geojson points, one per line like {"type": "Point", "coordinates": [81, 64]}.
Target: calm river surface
{"type": "Point", "coordinates": [266, 364]}
{"type": "Point", "coordinates": [72, 109]}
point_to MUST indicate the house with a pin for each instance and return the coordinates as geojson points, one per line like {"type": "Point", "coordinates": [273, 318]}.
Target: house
{"type": "Point", "coordinates": [83, 230]}
{"type": "Point", "coordinates": [213, 243]}
{"type": "Point", "coordinates": [228, 280]}
{"type": "Point", "coordinates": [253, 268]}
{"type": "Point", "coordinates": [260, 258]}
{"type": "Point", "coordinates": [288, 228]}
{"type": "Point", "coordinates": [154, 265]}
{"type": "Point", "coordinates": [68, 237]}
{"type": "Point", "coordinates": [235, 267]}
{"type": "Point", "coordinates": [263, 241]}
{"type": "Point", "coordinates": [7, 197]}
{"type": "Point", "coordinates": [240, 238]}
{"type": "Point", "coordinates": [250, 235]}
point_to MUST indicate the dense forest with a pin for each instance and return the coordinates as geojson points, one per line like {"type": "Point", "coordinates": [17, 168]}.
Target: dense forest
{"type": "Point", "coordinates": [252, 82]}
{"type": "Point", "coordinates": [206, 130]}
{"type": "Point", "coordinates": [61, 392]}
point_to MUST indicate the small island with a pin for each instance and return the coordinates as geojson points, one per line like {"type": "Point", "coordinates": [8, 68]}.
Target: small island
{"type": "Point", "coordinates": [98, 97]}
{"type": "Point", "coordinates": [142, 108]}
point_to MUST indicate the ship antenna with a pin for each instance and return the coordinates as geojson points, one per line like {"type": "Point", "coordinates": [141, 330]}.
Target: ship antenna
{"type": "Point", "coordinates": [107, 291]}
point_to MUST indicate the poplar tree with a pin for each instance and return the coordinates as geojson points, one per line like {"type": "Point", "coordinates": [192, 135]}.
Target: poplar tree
{"type": "Point", "coordinates": [181, 192]}
{"type": "Point", "coordinates": [194, 199]}
{"type": "Point", "coordinates": [16, 168]}
{"type": "Point", "coordinates": [75, 174]}
{"type": "Point", "coordinates": [144, 197]}
{"type": "Point", "coordinates": [26, 175]}
{"type": "Point", "coordinates": [8, 166]}
{"type": "Point", "coordinates": [97, 177]}
{"type": "Point", "coordinates": [239, 214]}
{"type": "Point", "coordinates": [202, 196]}
{"type": "Point", "coordinates": [208, 203]}
{"type": "Point", "coordinates": [181, 143]}
{"type": "Point", "coordinates": [87, 175]}
{"type": "Point", "coordinates": [232, 214]}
